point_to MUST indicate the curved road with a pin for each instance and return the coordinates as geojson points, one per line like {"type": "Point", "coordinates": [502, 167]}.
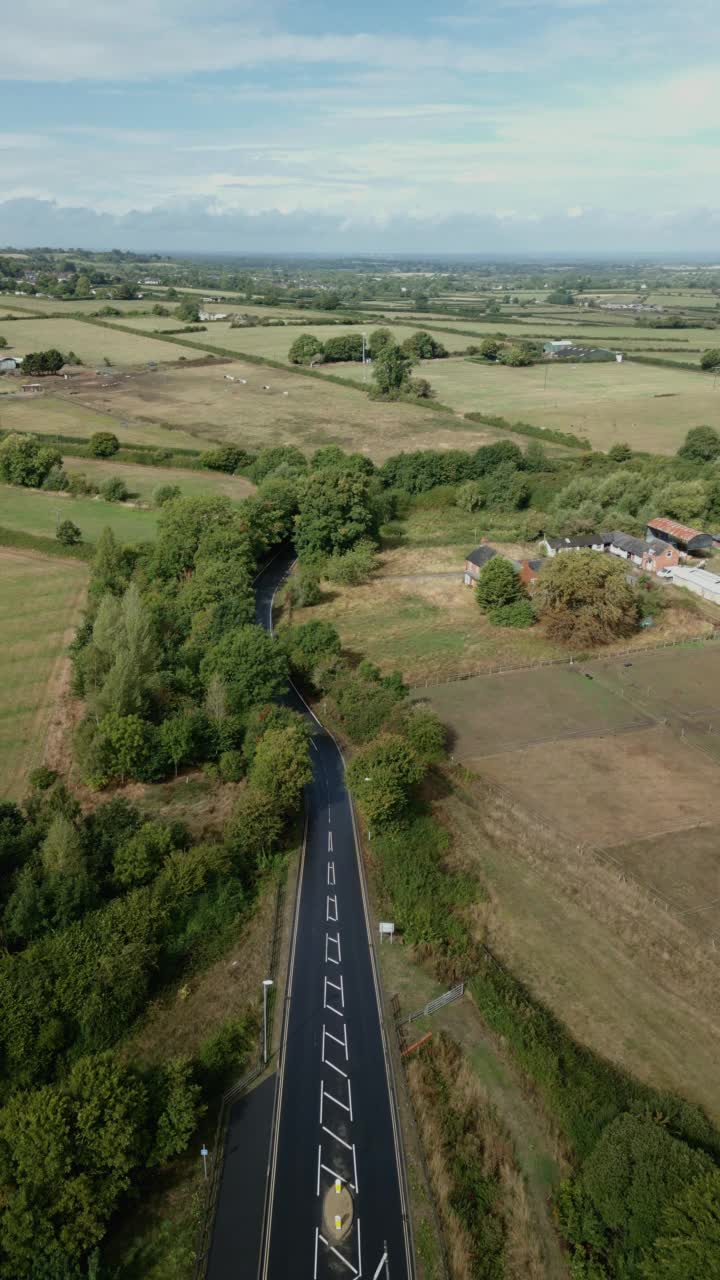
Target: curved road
{"type": "Point", "coordinates": [335, 1116]}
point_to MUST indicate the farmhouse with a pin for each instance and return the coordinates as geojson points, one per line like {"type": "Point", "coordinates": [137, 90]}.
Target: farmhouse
{"type": "Point", "coordinates": [678, 535]}
{"type": "Point", "coordinates": [699, 581]}
{"type": "Point", "coordinates": [474, 562]}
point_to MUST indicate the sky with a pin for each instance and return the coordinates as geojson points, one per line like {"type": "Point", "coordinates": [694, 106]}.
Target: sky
{"type": "Point", "coordinates": [523, 126]}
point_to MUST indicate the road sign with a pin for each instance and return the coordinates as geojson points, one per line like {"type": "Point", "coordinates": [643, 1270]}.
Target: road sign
{"type": "Point", "coordinates": [387, 929]}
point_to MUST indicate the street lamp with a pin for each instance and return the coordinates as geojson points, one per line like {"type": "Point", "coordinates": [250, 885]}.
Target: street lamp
{"type": "Point", "coordinates": [267, 983]}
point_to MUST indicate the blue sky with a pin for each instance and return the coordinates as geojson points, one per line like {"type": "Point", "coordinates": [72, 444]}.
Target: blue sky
{"type": "Point", "coordinates": [525, 126]}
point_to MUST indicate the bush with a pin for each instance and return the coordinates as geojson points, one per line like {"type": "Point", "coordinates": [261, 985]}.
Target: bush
{"type": "Point", "coordinates": [24, 461]}
{"type": "Point", "coordinates": [79, 485]}
{"type": "Point", "coordinates": [165, 493]}
{"type": "Point", "coordinates": [56, 480]}
{"type": "Point", "coordinates": [114, 489]}
{"type": "Point", "coordinates": [353, 567]}
{"type": "Point", "coordinates": [68, 533]}
{"type": "Point", "coordinates": [518, 614]}
{"type": "Point", "coordinates": [305, 346]}
{"type": "Point", "coordinates": [303, 589]}
{"type": "Point", "coordinates": [229, 458]}
{"type": "Point", "coordinates": [231, 766]}
{"type": "Point", "coordinates": [103, 444]}
{"type": "Point", "coordinates": [710, 359]}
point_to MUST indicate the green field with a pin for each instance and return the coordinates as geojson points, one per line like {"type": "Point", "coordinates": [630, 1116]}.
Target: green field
{"type": "Point", "coordinates": [65, 416]}
{"type": "Point", "coordinates": [651, 408]}
{"type": "Point", "coordinates": [272, 341]}
{"type": "Point", "coordinates": [90, 342]}
{"type": "Point", "coordinates": [142, 480]}
{"type": "Point", "coordinates": [40, 513]}
{"type": "Point", "coordinates": [42, 600]}
{"type": "Point", "coordinates": [86, 306]}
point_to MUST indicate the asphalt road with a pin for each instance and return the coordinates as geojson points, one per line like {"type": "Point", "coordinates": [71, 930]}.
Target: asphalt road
{"type": "Point", "coordinates": [334, 1118]}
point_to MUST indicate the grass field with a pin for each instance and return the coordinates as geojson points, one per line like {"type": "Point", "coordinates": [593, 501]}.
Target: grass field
{"type": "Point", "coordinates": [65, 415]}
{"type": "Point", "coordinates": [142, 480]}
{"type": "Point", "coordinates": [90, 342]}
{"type": "Point", "coordinates": [87, 306]}
{"type": "Point", "coordinates": [205, 406]}
{"type": "Point", "coordinates": [651, 408]}
{"type": "Point", "coordinates": [42, 600]}
{"type": "Point", "coordinates": [34, 512]}
{"type": "Point", "coordinates": [274, 341]}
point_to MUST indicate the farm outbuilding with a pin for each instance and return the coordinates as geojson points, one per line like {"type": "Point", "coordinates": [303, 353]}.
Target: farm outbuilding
{"type": "Point", "coordinates": [699, 581]}
{"type": "Point", "coordinates": [8, 364]}
{"type": "Point", "coordinates": [474, 562]}
{"type": "Point", "coordinates": [584, 542]}
{"type": "Point", "coordinates": [679, 535]}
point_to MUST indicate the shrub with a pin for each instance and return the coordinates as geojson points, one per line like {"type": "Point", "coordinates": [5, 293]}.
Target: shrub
{"type": "Point", "coordinates": [68, 533]}
{"type": "Point", "coordinates": [103, 444]}
{"type": "Point", "coordinates": [79, 485]}
{"type": "Point", "coordinates": [114, 489]}
{"type": "Point", "coordinates": [24, 461]}
{"type": "Point", "coordinates": [229, 458]}
{"type": "Point", "coordinates": [519, 613]}
{"type": "Point", "coordinates": [710, 359]}
{"type": "Point", "coordinates": [231, 766]}
{"type": "Point", "coordinates": [305, 346]}
{"type": "Point", "coordinates": [165, 493]}
{"type": "Point", "coordinates": [56, 480]}
{"type": "Point", "coordinates": [354, 566]}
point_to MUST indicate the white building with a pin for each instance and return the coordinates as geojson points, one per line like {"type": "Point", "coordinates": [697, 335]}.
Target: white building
{"type": "Point", "coordinates": [700, 581]}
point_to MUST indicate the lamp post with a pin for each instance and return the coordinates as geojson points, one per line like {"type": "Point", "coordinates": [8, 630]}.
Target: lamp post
{"type": "Point", "coordinates": [267, 983]}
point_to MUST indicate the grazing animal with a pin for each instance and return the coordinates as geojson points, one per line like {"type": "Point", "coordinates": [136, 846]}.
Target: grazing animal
{"type": "Point", "coordinates": [265, 387]}
{"type": "Point", "coordinates": [243, 380]}
{"type": "Point", "coordinates": [286, 393]}
{"type": "Point", "coordinates": [228, 377]}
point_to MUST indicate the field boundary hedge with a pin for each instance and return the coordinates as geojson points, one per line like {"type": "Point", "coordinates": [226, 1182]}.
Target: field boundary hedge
{"type": "Point", "coordinates": [46, 546]}
{"type": "Point", "coordinates": [549, 434]}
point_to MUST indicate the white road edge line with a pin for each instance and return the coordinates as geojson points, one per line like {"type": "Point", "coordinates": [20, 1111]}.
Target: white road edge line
{"type": "Point", "coordinates": [322, 1098]}
{"type": "Point", "coordinates": [318, 1172]}
{"type": "Point", "coordinates": [357, 1188]}
{"type": "Point", "coordinates": [317, 1233]}
{"type": "Point", "coordinates": [359, 1271]}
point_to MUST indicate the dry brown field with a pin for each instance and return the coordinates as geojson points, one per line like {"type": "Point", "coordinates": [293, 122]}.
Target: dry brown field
{"type": "Point", "coordinates": [307, 412]}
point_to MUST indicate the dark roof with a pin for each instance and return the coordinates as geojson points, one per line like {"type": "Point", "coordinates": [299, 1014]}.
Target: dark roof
{"type": "Point", "coordinates": [626, 542]}
{"type": "Point", "coordinates": [535, 565]}
{"type": "Point", "coordinates": [582, 540]}
{"type": "Point", "coordinates": [481, 555]}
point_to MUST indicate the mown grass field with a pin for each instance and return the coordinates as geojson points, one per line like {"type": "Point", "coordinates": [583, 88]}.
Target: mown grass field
{"type": "Point", "coordinates": [651, 408]}
{"type": "Point", "coordinates": [42, 601]}
{"type": "Point", "coordinates": [202, 404]}
{"type": "Point", "coordinates": [90, 342]}
{"type": "Point", "coordinates": [67, 415]}
{"type": "Point", "coordinates": [274, 341]}
{"type": "Point", "coordinates": [143, 480]}
{"type": "Point", "coordinates": [35, 512]}
{"type": "Point", "coordinates": [87, 306]}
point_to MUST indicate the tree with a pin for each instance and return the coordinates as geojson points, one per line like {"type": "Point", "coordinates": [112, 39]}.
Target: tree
{"type": "Point", "coordinates": [517, 357]}
{"type": "Point", "coordinates": [43, 362]}
{"type": "Point", "coordinates": [182, 524]}
{"type": "Point", "coordinates": [422, 346]}
{"type": "Point", "coordinates": [381, 778]}
{"type": "Point", "coordinates": [701, 444]}
{"type": "Point", "coordinates": [391, 371]}
{"type": "Point", "coordinates": [109, 570]}
{"type": "Point", "coordinates": [710, 359]}
{"type": "Point", "coordinates": [470, 496]}
{"type": "Point", "coordinates": [82, 287]}
{"type": "Point", "coordinates": [490, 348]}
{"type": "Point", "coordinates": [251, 665]}
{"type": "Point", "coordinates": [560, 297]}
{"type": "Point", "coordinates": [188, 311]}
{"type": "Point", "coordinates": [177, 734]}
{"type": "Point", "coordinates": [343, 347]}
{"type": "Point", "coordinates": [3, 343]}
{"type": "Point", "coordinates": [129, 739]}
{"type": "Point", "coordinates": [305, 346]}
{"type": "Point", "coordinates": [584, 600]}
{"type": "Point", "coordinates": [684, 500]}
{"type": "Point", "coordinates": [177, 1099]}
{"type": "Point", "coordinates": [336, 510]}
{"type": "Point", "coordinates": [253, 833]}
{"type": "Point", "coordinates": [24, 461]}
{"type": "Point", "coordinates": [68, 533]}
{"type": "Point", "coordinates": [308, 644]}
{"type": "Point", "coordinates": [281, 766]}
{"type": "Point", "coordinates": [688, 1244]}
{"type": "Point", "coordinates": [426, 734]}
{"type": "Point", "coordinates": [498, 584]}
{"type": "Point", "coordinates": [103, 444]}
{"type": "Point", "coordinates": [379, 339]}
{"type": "Point", "coordinates": [140, 857]}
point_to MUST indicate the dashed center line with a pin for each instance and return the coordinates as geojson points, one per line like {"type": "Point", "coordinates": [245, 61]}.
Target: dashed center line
{"type": "Point", "coordinates": [330, 842]}
{"type": "Point", "coordinates": [331, 873]}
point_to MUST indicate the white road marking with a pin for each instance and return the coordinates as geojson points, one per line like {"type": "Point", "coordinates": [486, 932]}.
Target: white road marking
{"type": "Point", "coordinates": [359, 1270]}
{"type": "Point", "coordinates": [337, 1177]}
{"type": "Point", "coordinates": [317, 1233]}
{"type": "Point", "coordinates": [314, 744]}
{"type": "Point", "coordinates": [349, 1265]}
{"type": "Point", "coordinates": [331, 876]}
{"type": "Point", "coordinates": [330, 844]}
{"type": "Point", "coordinates": [326, 1005]}
{"type": "Point", "coordinates": [342, 1043]}
{"type": "Point", "coordinates": [318, 1172]}
{"type": "Point", "coordinates": [380, 1266]}
{"type": "Point", "coordinates": [350, 1098]}
{"type": "Point", "coordinates": [328, 1063]}
{"type": "Point", "coordinates": [337, 986]}
{"type": "Point", "coordinates": [322, 1099]}
{"type": "Point", "coordinates": [331, 1098]}
{"type": "Point", "coordinates": [357, 1188]}
{"type": "Point", "coordinates": [331, 905]}
{"type": "Point", "coordinates": [337, 1138]}
{"type": "Point", "coordinates": [336, 943]}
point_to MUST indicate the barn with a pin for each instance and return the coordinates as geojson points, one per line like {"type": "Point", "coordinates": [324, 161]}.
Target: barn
{"type": "Point", "coordinates": [691, 541]}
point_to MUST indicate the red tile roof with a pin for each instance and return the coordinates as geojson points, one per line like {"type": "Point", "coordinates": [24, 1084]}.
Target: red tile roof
{"type": "Point", "coordinates": [681, 531]}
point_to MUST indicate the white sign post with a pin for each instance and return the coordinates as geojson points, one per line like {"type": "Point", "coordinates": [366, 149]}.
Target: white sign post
{"type": "Point", "coordinates": [386, 928]}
